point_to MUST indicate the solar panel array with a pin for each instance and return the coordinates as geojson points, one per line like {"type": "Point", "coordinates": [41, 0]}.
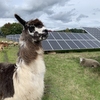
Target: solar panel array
{"type": "Point", "coordinates": [66, 41]}
{"type": "Point", "coordinates": [70, 41]}
{"type": "Point", "coordinates": [13, 37]}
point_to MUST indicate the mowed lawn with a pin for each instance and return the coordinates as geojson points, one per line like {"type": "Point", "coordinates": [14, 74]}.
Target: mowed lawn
{"type": "Point", "coordinates": [65, 79]}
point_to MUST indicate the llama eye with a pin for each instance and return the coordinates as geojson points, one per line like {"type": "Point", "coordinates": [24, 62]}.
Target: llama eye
{"type": "Point", "coordinates": [31, 28]}
{"type": "Point", "coordinates": [40, 26]}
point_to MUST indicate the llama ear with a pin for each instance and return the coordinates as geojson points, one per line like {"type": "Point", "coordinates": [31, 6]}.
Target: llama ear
{"type": "Point", "coordinates": [23, 22]}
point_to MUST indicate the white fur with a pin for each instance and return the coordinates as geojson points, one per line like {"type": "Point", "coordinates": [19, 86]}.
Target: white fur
{"type": "Point", "coordinates": [31, 33]}
{"type": "Point", "coordinates": [29, 84]}
{"type": "Point", "coordinates": [39, 30]}
{"type": "Point", "coordinates": [22, 43]}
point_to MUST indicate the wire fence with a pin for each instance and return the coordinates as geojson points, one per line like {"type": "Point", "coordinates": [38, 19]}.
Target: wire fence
{"type": "Point", "coordinates": [14, 37]}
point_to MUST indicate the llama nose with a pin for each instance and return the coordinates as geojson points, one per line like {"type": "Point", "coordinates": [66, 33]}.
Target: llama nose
{"type": "Point", "coordinates": [45, 32]}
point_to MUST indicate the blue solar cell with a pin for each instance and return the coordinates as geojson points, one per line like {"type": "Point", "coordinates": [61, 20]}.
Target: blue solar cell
{"type": "Point", "coordinates": [88, 46]}
{"type": "Point", "coordinates": [97, 43]}
{"type": "Point", "coordinates": [46, 46]}
{"type": "Point", "coordinates": [84, 36]}
{"type": "Point", "coordinates": [55, 45]}
{"type": "Point", "coordinates": [56, 35]}
{"type": "Point", "coordinates": [77, 35]}
{"type": "Point", "coordinates": [71, 36]}
{"type": "Point", "coordinates": [64, 35]}
{"type": "Point", "coordinates": [72, 45]}
{"type": "Point", "coordinates": [89, 36]}
{"type": "Point", "coordinates": [93, 44]}
{"type": "Point", "coordinates": [50, 36]}
{"type": "Point", "coordinates": [64, 45]}
{"type": "Point", "coordinates": [95, 32]}
{"type": "Point", "coordinates": [79, 44]}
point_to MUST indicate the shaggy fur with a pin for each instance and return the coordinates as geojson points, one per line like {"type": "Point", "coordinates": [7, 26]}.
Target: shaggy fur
{"type": "Point", "coordinates": [89, 62]}
{"type": "Point", "coordinates": [27, 77]}
{"type": "Point", "coordinates": [6, 82]}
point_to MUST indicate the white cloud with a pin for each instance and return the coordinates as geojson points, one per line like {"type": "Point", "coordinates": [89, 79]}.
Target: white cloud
{"type": "Point", "coordinates": [80, 17]}
{"type": "Point", "coordinates": [64, 17]}
{"type": "Point", "coordinates": [6, 20]}
{"type": "Point", "coordinates": [56, 14]}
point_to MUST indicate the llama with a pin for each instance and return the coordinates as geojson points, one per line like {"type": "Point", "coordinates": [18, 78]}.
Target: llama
{"type": "Point", "coordinates": [89, 62]}
{"type": "Point", "coordinates": [26, 81]}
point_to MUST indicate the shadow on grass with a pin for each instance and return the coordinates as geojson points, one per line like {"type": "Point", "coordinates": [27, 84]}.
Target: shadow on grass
{"type": "Point", "coordinates": [48, 84]}
{"type": "Point", "coordinates": [95, 70]}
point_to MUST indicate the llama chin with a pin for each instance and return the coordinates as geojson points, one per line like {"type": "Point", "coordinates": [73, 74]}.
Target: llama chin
{"type": "Point", "coordinates": [27, 79]}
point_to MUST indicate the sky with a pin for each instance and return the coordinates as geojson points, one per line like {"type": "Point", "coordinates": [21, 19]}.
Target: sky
{"type": "Point", "coordinates": [55, 14]}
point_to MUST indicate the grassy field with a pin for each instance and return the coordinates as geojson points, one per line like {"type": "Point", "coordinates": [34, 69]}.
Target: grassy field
{"type": "Point", "coordinates": [65, 79]}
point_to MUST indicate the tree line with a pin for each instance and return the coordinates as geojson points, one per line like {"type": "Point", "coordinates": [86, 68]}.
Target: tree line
{"type": "Point", "coordinates": [73, 30]}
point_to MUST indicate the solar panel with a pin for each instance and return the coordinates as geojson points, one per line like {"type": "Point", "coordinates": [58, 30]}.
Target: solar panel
{"type": "Point", "coordinates": [64, 45]}
{"type": "Point", "coordinates": [95, 32]}
{"type": "Point", "coordinates": [66, 41]}
{"type": "Point", "coordinates": [72, 44]}
{"type": "Point", "coordinates": [47, 46]}
{"type": "Point", "coordinates": [87, 45]}
{"type": "Point", "coordinates": [77, 36]}
{"type": "Point", "coordinates": [71, 36]}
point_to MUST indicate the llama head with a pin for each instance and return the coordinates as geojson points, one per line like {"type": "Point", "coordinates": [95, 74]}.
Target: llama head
{"type": "Point", "coordinates": [34, 28]}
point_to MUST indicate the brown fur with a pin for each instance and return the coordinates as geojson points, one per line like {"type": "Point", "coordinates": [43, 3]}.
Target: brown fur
{"type": "Point", "coordinates": [36, 23]}
{"type": "Point", "coordinates": [89, 62]}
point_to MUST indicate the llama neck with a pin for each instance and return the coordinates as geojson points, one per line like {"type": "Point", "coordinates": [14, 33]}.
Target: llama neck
{"type": "Point", "coordinates": [30, 76]}
{"type": "Point", "coordinates": [29, 50]}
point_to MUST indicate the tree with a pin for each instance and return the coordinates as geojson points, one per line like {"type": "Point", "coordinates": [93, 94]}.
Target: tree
{"type": "Point", "coordinates": [5, 29]}
{"type": "Point", "coordinates": [67, 30]}
{"type": "Point", "coordinates": [14, 28]}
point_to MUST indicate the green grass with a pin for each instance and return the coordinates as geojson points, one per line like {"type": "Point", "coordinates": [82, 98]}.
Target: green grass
{"type": "Point", "coordinates": [3, 39]}
{"type": "Point", "coordinates": [65, 79]}
{"type": "Point", "coordinates": [9, 54]}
